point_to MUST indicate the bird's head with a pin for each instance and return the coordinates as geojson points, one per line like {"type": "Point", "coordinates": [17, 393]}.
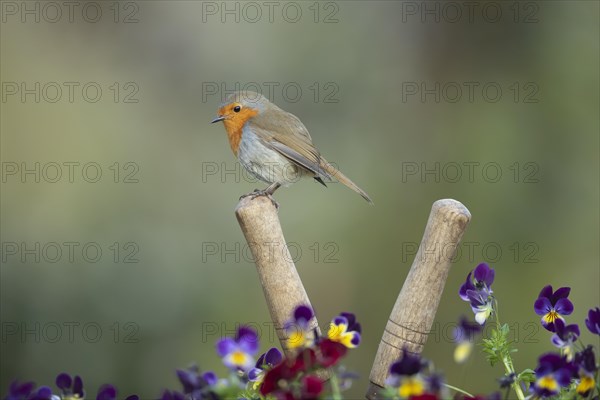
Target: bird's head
{"type": "Point", "coordinates": [239, 107]}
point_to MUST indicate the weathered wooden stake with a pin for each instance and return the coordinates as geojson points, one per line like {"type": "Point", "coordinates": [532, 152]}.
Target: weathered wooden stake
{"type": "Point", "coordinates": [277, 273]}
{"type": "Point", "coordinates": [414, 311]}
{"type": "Point", "coordinates": [416, 305]}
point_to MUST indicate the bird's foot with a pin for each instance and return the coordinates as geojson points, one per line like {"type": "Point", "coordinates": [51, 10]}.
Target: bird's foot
{"type": "Point", "coordinates": [259, 192]}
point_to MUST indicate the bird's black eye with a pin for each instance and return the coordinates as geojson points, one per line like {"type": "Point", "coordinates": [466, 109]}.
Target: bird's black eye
{"type": "Point", "coordinates": [237, 108]}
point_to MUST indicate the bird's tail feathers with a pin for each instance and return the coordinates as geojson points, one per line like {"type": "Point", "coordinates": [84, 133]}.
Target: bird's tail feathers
{"type": "Point", "coordinates": [337, 174]}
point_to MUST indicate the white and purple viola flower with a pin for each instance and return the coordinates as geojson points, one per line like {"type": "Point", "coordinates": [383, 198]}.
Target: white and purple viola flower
{"type": "Point", "coordinates": [238, 353]}
{"type": "Point", "coordinates": [478, 292]}
{"type": "Point", "coordinates": [553, 305]}
{"type": "Point", "coordinates": [464, 337]}
{"type": "Point", "coordinates": [565, 336]}
{"type": "Point", "coordinates": [298, 329]}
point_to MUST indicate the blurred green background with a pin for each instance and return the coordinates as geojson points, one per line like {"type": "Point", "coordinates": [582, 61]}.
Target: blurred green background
{"type": "Point", "coordinates": [537, 223]}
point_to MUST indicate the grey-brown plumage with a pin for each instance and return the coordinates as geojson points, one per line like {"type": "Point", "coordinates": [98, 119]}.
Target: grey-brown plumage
{"type": "Point", "coordinates": [273, 144]}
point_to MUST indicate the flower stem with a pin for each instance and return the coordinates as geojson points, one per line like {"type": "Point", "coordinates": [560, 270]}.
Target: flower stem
{"type": "Point", "coordinates": [335, 387]}
{"type": "Point", "coordinates": [507, 359]}
{"type": "Point", "coordinates": [510, 369]}
{"type": "Point", "coordinates": [458, 390]}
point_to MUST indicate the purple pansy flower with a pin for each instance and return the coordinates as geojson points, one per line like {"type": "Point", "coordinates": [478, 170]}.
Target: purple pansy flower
{"type": "Point", "coordinates": [464, 335]}
{"type": "Point", "coordinates": [172, 395]}
{"type": "Point", "coordinates": [553, 305]}
{"type": "Point", "coordinates": [466, 330]}
{"type": "Point", "coordinates": [195, 384]}
{"type": "Point", "coordinates": [411, 378]}
{"type": "Point", "coordinates": [70, 386]}
{"type": "Point", "coordinates": [345, 330]}
{"type": "Point", "coordinates": [507, 380]}
{"type": "Point", "coordinates": [210, 378]}
{"type": "Point", "coordinates": [483, 277]}
{"type": "Point", "coordinates": [298, 329]}
{"type": "Point", "coordinates": [107, 392]}
{"type": "Point", "coordinates": [19, 391]}
{"type": "Point", "coordinates": [270, 358]}
{"type": "Point", "coordinates": [435, 384]}
{"type": "Point", "coordinates": [586, 363]}
{"type": "Point", "coordinates": [27, 391]}
{"type": "Point", "coordinates": [405, 375]}
{"type": "Point", "coordinates": [265, 362]}
{"type": "Point", "coordinates": [478, 292]}
{"type": "Point", "coordinates": [238, 353]}
{"type": "Point", "coordinates": [552, 373]}
{"type": "Point", "coordinates": [565, 336]}
{"type": "Point", "coordinates": [409, 364]}
{"type": "Point", "coordinates": [593, 320]}
{"type": "Point", "coordinates": [42, 393]}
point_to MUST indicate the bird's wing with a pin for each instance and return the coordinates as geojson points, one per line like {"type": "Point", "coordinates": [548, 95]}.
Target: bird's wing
{"type": "Point", "coordinates": [275, 119]}
{"type": "Point", "coordinates": [285, 133]}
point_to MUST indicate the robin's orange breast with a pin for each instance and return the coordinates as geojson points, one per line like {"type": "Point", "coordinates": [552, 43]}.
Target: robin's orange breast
{"type": "Point", "coordinates": [234, 127]}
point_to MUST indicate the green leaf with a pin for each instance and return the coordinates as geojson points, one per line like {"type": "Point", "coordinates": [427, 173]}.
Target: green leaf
{"type": "Point", "coordinates": [497, 347]}
{"type": "Point", "coordinates": [527, 375]}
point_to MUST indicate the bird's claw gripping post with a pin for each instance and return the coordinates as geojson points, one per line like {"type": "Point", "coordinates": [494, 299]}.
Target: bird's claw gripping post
{"type": "Point", "coordinates": [257, 193]}
{"type": "Point", "coordinates": [268, 193]}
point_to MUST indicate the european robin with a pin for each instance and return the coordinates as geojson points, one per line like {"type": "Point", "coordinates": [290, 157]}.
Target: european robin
{"type": "Point", "coordinates": [273, 145]}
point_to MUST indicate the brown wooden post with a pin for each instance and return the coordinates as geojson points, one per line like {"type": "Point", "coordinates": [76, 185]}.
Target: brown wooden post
{"type": "Point", "coordinates": [277, 273]}
{"type": "Point", "coordinates": [413, 314]}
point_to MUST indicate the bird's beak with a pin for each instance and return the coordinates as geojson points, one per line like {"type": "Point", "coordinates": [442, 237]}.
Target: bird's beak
{"type": "Point", "coordinates": [218, 119]}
